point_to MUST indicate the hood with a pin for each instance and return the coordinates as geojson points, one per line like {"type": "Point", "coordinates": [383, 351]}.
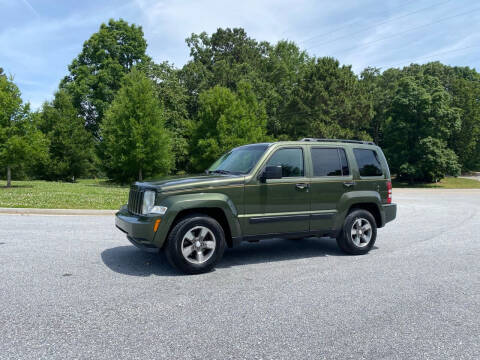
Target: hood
{"type": "Point", "coordinates": [185, 182]}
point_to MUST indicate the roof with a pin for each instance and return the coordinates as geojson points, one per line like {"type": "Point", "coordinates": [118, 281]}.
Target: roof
{"type": "Point", "coordinates": [339, 141]}
{"type": "Point", "coordinates": [312, 140]}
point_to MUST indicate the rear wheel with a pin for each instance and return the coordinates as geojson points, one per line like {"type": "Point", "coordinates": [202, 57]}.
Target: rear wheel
{"type": "Point", "coordinates": [195, 244]}
{"type": "Point", "coordinates": [359, 232]}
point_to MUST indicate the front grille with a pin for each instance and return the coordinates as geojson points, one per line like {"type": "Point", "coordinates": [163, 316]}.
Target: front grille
{"type": "Point", "coordinates": [135, 200]}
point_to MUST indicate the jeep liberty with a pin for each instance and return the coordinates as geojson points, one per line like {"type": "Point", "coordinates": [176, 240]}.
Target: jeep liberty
{"type": "Point", "coordinates": [294, 189]}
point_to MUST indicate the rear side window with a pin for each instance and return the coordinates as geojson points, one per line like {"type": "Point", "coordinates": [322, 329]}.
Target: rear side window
{"type": "Point", "coordinates": [329, 162]}
{"type": "Point", "coordinates": [291, 161]}
{"type": "Point", "coordinates": [368, 163]}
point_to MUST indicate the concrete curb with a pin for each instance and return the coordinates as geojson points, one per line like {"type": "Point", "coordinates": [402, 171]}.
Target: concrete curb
{"type": "Point", "coordinates": [31, 211]}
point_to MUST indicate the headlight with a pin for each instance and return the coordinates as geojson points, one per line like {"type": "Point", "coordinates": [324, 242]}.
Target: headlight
{"type": "Point", "coordinates": [148, 201]}
{"type": "Point", "coordinates": [149, 207]}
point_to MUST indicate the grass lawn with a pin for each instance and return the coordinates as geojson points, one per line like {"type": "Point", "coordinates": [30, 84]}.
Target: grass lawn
{"type": "Point", "coordinates": [447, 183]}
{"type": "Point", "coordinates": [85, 194]}
{"type": "Point", "coordinates": [97, 194]}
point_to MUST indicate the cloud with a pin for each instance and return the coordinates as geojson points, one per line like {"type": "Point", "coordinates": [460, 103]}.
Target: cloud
{"type": "Point", "coordinates": [30, 7]}
{"type": "Point", "coordinates": [168, 23]}
{"type": "Point", "coordinates": [37, 50]}
{"type": "Point", "coordinates": [427, 29]}
{"type": "Point", "coordinates": [37, 43]}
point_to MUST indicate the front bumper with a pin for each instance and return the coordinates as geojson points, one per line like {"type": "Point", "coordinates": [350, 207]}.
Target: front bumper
{"type": "Point", "coordinates": [139, 229]}
{"type": "Point", "coordinates": [390, 211]}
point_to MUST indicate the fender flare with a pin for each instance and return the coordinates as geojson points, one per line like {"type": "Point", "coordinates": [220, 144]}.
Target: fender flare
{"type": "Point", "coordinates": [179, 203]}
{"type": "Point", "coordinates": [352, 198]}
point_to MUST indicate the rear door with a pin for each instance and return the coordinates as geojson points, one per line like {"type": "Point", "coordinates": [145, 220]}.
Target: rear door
{"type": "Point", "coordinates": [331, 178]}
{"type": "Point", "coordinates": [279, 206]}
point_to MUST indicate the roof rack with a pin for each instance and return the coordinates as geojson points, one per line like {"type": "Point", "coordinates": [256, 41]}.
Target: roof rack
{"type": "Point", "coordinates": [339, 140]}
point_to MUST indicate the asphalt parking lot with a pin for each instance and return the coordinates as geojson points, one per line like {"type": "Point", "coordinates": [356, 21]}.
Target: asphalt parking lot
{"type": "Point", "coordinates": [71, 287]}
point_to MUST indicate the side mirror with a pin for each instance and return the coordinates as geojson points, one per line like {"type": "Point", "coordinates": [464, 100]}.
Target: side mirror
{"type": "Point", "coordinates": [272, 172]}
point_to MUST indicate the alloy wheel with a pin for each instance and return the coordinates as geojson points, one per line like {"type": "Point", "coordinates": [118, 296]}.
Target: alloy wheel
{"type": "Point", "coordinates": [361, 232]}
{"type": "Point", "coordinates": [198, 245]}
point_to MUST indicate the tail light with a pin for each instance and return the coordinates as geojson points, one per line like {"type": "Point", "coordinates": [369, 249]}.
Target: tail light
{"type": "Point", "coordinates": [389, 192]}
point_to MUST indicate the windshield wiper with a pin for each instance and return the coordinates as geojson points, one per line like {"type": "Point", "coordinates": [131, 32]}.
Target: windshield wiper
{"type": "Point", "coordinates": [219, 171]}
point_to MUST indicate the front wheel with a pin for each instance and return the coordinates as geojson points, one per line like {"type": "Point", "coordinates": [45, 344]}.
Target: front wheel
{"type": "Point", "coordinates": [195, 244]}
{"type": "Point", "coordinates": [359, 233]}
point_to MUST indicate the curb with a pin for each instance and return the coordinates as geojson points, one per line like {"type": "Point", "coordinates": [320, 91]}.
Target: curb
{"type": "Point", "coordinates": [32, 211]}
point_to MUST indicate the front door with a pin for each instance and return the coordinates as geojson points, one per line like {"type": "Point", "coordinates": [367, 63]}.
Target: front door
{"type": "Point", "coordinates": [279, 206]}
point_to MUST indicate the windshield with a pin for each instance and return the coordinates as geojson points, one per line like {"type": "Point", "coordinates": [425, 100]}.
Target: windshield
{"type": "Point", "coordinates": [239, 161]}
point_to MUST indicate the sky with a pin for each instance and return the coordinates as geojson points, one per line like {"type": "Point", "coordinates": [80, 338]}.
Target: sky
{"type": "Point", "coordinates": [40, 38]}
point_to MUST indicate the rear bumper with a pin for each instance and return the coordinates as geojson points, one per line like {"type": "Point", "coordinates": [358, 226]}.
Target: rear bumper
{"type": "Point", "coordinates": [139, 229]}
{"type": "Point", "coordinates": [390, 212]}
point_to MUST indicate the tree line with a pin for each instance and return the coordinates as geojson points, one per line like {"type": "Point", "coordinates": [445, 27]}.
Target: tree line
{"type": "Point", "coordinates": [119, 114]}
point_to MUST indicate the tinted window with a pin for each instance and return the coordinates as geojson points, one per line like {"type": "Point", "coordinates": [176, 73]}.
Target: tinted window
{"type": "Point", "coordinates": [368, 163]}
{"type": "Point", "coordinates": [291, 161]}
{"type": "Point", "coordinates": [343, 158]}
{"type": "Point", "coordinates": [326, 162]}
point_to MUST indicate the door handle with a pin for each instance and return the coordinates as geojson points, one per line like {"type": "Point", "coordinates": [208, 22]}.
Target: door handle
{"type": "Point", "coordinates": [349, 183]}
{"type": "Point", "coordinates": [302, 186]}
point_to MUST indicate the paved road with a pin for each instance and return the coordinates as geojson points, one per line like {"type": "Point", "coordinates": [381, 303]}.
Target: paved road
{"type": "Point", "coordinates": [72, 287]}
{"type": "Point", "coordinates": [473, 177]}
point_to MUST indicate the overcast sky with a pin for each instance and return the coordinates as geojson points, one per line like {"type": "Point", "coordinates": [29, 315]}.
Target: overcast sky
{"type": "Point", "coordinates": [39, 38]}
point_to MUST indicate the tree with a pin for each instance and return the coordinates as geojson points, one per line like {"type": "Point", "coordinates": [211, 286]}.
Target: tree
{"type": "Point", "coordinates": [71, 149]}
{"type": "Point", "coordinates": [96, 74]}
{"type": "Point", "coordinates": [328, 102]}
{"type": "Point", "coordinates": [380, 89]}
{"type": "Point", "coordinates": [466, 140]}
{"type": "Point", "coordinates": [462, 86]}
{"type": "Point", "coordinates": [173, 97]}
{"type": "Point", "coordinates": [434, 160]}
{"type": "Point", "coordinates": [225, 58]}
{"type": "Point", "coordinates": [21, 144]}
{"type": "Point", "coordinates": [285, 65]}
{"type": "Point", "coordinates": [135, 143]}
{"type": "Point", "coordinates": [225, 120]}
{"type": "Point", "coordinates": [420, 122]}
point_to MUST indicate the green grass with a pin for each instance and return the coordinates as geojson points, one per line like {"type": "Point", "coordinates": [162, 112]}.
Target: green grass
{"type": "Point", "coordinates": [84, 194]}
{"type": "Point", "coordinates": [98, 194]}
{"type": "Point", "coordinates": [447, 183]}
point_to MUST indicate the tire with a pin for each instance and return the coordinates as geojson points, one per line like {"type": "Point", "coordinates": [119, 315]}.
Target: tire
{"type": "Point", "coordinates": [195, 244]}
{"type": "Point", "coordinates": [358, 234]}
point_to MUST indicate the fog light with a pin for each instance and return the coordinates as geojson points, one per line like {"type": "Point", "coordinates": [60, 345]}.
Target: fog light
{"type": "Point", "coordinates": [161, 210]}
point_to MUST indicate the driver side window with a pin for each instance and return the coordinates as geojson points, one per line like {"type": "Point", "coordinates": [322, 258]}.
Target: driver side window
{"type": "Point", "coordinates": [291, 161]}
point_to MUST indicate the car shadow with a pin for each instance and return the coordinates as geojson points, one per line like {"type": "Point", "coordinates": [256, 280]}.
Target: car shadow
{"type": "Point", "coordinates": [274, 250]}
{"type": "Point", "coordinates": [129, 260]}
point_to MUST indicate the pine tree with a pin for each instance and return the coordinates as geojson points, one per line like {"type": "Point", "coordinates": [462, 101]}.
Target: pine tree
{"type": "Point", "coordinates": [135, 143]}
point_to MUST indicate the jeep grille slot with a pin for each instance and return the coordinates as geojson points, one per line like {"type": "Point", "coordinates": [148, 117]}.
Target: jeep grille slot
{"type": "Point", "coordinates": [135, 201]}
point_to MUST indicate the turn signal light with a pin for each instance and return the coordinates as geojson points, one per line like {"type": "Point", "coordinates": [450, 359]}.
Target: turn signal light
{"type": "Point", "coordinates": [155, 227]}
{"type": "Point", "coordinates": [389, 192]}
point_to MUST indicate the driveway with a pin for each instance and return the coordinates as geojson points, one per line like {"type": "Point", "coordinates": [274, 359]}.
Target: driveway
{"type": "Point", "coordinates": [71, 287]}
{"type": "Point", "coordinates": [474, 176]}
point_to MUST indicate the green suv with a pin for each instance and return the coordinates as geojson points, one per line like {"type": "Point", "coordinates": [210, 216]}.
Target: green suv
{"type": "Point", "coordinates": [312, 187]}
